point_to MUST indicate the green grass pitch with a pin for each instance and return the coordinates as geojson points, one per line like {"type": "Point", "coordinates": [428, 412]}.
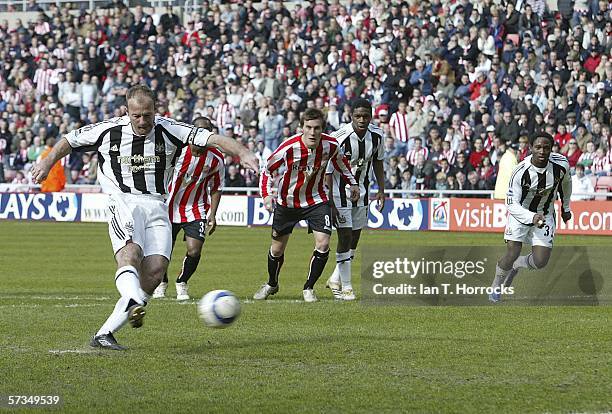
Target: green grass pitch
{"type": "Point", "coordinates": [56, 288]}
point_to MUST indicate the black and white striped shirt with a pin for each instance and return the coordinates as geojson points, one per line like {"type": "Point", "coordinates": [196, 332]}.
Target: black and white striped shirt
{"type": "Point", "coordinates": [533, 190]}
{"type": "Point", "coordinates": [360, 153]}
{"type": "Point", "coordinates": [131, 163]}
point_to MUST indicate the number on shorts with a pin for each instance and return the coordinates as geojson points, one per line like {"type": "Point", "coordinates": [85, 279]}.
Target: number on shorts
{"type": "Point", "coordinates": [547, 231]}
{"type": "Point", "coordinates": [202, 228]}
{"type": "Point", "coordinates": [327, 221]}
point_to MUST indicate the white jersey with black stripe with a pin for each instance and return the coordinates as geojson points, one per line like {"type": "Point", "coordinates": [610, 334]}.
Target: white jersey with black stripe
{"type": "Point", "coordinates": [136, 164]}
{"type": "Point", "coordinates": [360, 152]}
{"type": "Point", "coordinates": [533, 190]}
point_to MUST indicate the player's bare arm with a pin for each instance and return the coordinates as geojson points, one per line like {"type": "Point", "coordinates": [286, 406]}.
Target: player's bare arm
{"type": "Point", "coordinates": [538, 220]}
{"type": "Point", "coordinates": [233, 147]}
{"type": "Point", "coordinates": [379, 173]}
{"type": "Point", "coordinates": [211, 221]}
{"type": "Point", "coordinates": [269, 203]}
{"type": "Point", "coordinates": [40, 170]}
{"type": "Point", "coordinates": [354, 192]}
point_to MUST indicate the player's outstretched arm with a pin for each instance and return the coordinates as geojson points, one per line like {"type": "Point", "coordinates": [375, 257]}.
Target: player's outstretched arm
{"type": "Point", "coordinates": [200, 137]}
{"type": "Point", "coordinates": [379, 173]}
{"type": "Point", "coordinates": [41, 169]}
{"type": "Point", "coordinates": [233, 147]}
{"type": "Point", "coordinates": [566, 193]}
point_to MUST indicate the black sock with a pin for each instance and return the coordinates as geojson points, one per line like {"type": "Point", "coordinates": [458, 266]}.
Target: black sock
{"type": "Point", "coordinates": [190, 265]}
{"type": "Point", "coordinates": [317, 264]}
{"type": "Point", "coordinates": [274, 267]}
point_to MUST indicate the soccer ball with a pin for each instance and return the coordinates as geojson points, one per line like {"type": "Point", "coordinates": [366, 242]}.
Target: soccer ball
{"type": "Point", "coordinates": [219, 308]}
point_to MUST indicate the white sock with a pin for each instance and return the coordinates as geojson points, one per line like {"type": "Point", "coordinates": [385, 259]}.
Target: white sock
{"type": "Point", "coordinates": [343, 264]}
{"type": "Point", "coordinates": [117, 319]}
{"type": "Point", "coordinates": [335, 276]}
{"type": "Point", "coordinates": [145, 296]}
{"type": "Point", "coordinates": [500, 275]}
{"type": "Point", "coordinates": [524, 262]}
{"type": "Point", "coordinates": [128, 284]}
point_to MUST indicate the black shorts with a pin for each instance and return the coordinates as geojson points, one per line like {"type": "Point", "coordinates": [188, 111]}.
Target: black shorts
{"type": "Point", "coordinates": [194, 229]}
{"type": "Point", "coordinates": [318, 217]}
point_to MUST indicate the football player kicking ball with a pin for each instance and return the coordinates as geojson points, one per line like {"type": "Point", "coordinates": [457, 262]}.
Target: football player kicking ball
{"type": "Point", "coordinates": [197, 174]}
{"type": "Point", "coordinates": [533, 187]}
{"type": "Point", "coordinates": [300, 164]}
{"type": "Point", "coordinates": [363, 147]}
{"type": "Point", "coordinates": [137, 156]}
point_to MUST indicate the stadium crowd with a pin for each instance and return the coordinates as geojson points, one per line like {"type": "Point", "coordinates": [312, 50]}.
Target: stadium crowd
{"type": "Point", "coordinates": [455, 84]}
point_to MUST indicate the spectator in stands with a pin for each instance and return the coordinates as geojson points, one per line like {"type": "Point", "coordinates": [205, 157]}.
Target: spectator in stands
{"type": "Point", "coordinates": [478, 153]}
{"type": "Point", "coordinates": [573, 153]}
{"type": "Point", "coordinates": [20, 160]}
{"type": "Point", "coordinates": [487, 173]}
{"type": "Point", "coordinates": [601, 162]}
{"type": "Point", "coordinates": [400, 125]}
{"type": "Point", "coordinates": [461, 164]}
{"type": "Point", "coordinates": [523, 148]}
{"type": "Point", "coordinates": [581, 184]}
{"type": "Point", "coordinates": [441, 181]}
{"type": "Point", "coordinates": [35, 149]}
{"type": "Point", "coordinates": [508, 129]}
{"type": "Point", "coordinates": [272, 128]}
{"type": "Point", "coordinates": [392, 168]}
{"type": "Point", "coordinates": [408, 181]}
{"type": "Point", "coordinates": [546, 76]}
{"type": "Point", "coordinates": [234, 179]}
{"type": "Point", "coordinates": [474, 183]}
{"type": "Point", "coordinates": [423, 172]}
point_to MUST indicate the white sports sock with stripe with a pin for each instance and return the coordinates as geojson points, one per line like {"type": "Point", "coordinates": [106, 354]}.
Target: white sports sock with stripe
{"type": "Point", "coordinates": [116, 319]}
{"type": "Point", "coordinates": [500, 276]}
{"type": "Point", "coordinates": [335, 276]}
{"type": "Point", "coordinates": [128, 284]}
{"type": "Point", "coordinates": [524, 262]}
{"type": "Point", "coordinates": [343, 264]}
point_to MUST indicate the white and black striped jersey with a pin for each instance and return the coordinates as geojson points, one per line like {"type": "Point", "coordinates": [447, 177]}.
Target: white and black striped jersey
{"type": "Point", "coordinates": [360, 153]}
{"type": "Point", "coordinates": [533, 190]}
{"type": "Point", "coordinates": [137, 164]}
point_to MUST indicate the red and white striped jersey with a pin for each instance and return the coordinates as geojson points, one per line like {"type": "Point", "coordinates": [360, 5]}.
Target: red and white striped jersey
{"type": "Point", "coordinates": [450, 155]}
{"type": "Point", "coordinates": [399, 123]}
{"type": "Point", "coordinates": [301, 171]}
{"type": "Point", "coordinates": [195, 178]}
{"type": "Point", "coordinates": [42, 79]}
{"type": "Point", "coordinates": [601, 164]}
{"type": "Point", "coordinates": [224, 114]}
{"type": "Point", "coordinates": [413, 155]}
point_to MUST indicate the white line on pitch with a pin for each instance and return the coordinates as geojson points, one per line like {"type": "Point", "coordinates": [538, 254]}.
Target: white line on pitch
{"type": "Point", "coordinates": [50, 297]}
{"type": "Point", "coordinates": [72, 351]}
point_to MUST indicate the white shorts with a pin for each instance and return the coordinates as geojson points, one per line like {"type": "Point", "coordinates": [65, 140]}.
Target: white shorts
{"type": "Point", "coordinates": [516, 231]}
{"type": "Point", "coordinates": [142, 219]}
{"type": "Point", "coordinates": [352, 217]}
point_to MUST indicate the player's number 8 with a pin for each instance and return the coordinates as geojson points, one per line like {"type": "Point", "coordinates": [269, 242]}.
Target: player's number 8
{"type": "Point", "coordinates": [327, 221]}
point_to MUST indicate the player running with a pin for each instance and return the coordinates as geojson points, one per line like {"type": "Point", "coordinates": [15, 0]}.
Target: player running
{"type": "Point", "coordinates": [196, 177]}
{"type": "Point", "coordinates": [363, 146]}
{"type": "Point", "coordinates": [300, 164]}
{"type": "Point", "coordinates": [137, 154]}
{"type": "Point", "coordinates": [533, 187]}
